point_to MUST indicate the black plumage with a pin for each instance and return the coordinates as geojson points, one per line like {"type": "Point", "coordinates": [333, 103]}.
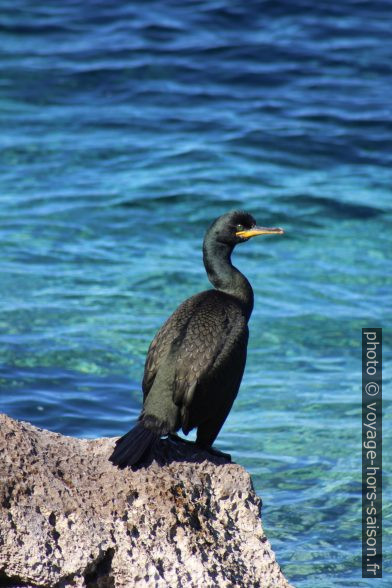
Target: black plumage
{"type": "Point", "coordinates": [195, 363]}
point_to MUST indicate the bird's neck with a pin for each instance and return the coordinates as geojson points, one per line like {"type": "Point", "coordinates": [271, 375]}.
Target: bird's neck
{"type": "Point", "coordinates": [224, 276]}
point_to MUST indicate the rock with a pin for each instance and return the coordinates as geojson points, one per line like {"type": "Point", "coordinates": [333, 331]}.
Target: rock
{"type": "Point", "coordinates": [68, 517]}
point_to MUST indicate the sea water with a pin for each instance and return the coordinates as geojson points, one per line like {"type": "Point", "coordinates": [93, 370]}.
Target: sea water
{"type": "Point", "coordinates": [126, 128]}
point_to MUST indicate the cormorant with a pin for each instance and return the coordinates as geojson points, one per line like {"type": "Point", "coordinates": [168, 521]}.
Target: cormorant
{"type": "Point", "coordinates": [195, 363]}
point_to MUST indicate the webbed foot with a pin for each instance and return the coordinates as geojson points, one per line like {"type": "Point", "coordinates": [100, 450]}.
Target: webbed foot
{"type": "Point", "coordinates": [177, 439]}
{"type": "Point", "coordinates": [216, 452]}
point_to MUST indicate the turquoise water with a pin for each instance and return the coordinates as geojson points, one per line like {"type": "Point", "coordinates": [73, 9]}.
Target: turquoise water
{"type": "Point", "coordinates": [127, 128]}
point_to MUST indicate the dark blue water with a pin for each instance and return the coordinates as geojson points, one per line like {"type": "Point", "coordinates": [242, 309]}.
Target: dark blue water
{"type": "Point", "coordinates": [126, 128]}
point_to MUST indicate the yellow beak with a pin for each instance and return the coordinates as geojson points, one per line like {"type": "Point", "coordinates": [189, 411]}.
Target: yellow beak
{"type": "Point", "coordinates": [259, 231]}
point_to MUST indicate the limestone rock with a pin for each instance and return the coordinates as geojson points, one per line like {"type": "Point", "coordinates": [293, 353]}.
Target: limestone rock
{"type": "Point", "coordinates": [68, 517]}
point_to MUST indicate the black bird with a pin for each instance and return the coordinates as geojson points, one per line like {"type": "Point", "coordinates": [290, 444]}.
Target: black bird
{"type": "Point", "coordinates": [195, 363]}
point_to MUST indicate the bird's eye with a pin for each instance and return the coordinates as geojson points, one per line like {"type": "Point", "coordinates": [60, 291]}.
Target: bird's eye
{"type": "Point", "coordinates": [240, 227]}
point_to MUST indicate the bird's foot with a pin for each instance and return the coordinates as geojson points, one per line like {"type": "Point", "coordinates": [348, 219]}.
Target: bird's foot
{"type": "Point", "coordinates": [208, 448]}
{"type": "Point", "coordinates": [177, 439]}
{"type": "Point", "coordinates": [215, 452]}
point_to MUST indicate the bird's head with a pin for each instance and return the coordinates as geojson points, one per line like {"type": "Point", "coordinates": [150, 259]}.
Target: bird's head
{"type": "Point", "coordinates": [237, 227]}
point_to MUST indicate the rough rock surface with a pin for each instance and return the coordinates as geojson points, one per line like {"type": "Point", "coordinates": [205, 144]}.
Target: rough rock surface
{"type": "Point", "coordinates": [68, 517]}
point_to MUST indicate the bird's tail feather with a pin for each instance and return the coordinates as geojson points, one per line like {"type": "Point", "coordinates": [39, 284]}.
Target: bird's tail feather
{"type": "Point", "coordinates": [133, 446]}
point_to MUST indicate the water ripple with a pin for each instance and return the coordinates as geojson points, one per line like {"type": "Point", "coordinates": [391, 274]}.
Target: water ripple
{"type": "Point", "coordinates": [126, 131]}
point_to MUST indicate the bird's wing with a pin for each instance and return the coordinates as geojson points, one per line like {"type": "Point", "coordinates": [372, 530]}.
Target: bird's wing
{"type": "Point", "coordinates": [209, 358]}
{"type": "Point", "coordinates": [170, 331]}
{"type": "Point", "coordinates": [198, 337]}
